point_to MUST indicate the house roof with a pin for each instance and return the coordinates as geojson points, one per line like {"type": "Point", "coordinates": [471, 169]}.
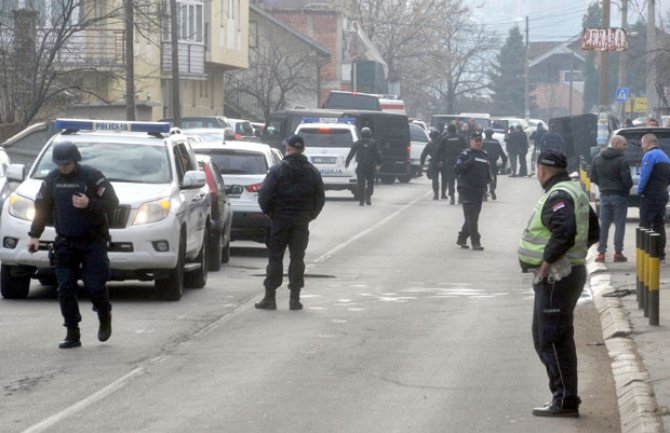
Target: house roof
{"type": "Point", "coordinates": [565, 47]}
{"type": "Point", "coordinates": [306, 39]}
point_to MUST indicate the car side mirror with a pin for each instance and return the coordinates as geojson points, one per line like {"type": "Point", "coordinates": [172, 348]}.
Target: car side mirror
{"type": "Point", "coordinates": [193, 179]}
{"type": "Point", "coordinates": [16, 172]}
{"type": "Point", "coordinates": [229, 133]}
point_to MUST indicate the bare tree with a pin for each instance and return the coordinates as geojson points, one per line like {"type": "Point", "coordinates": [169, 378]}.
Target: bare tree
{"type": "Point", "coordinates": [45, 54]}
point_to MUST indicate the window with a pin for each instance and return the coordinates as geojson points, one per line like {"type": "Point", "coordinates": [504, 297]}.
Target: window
{"type": "Point", "coordinates": [191, 22]}
{"type": "Point", "coordinates": [50, 13]}
{"type": "Point", "coordinates": [253, 34]}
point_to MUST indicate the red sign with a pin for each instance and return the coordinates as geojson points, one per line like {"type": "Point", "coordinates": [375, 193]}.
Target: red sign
{"type": "Point", "coordinates": [611, 39]}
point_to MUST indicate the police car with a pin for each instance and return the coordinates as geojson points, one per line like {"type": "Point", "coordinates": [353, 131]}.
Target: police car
{"type": "Point", "coordinates": [327, 144]}
{"type": "Point", "coordinates": [161, 224]}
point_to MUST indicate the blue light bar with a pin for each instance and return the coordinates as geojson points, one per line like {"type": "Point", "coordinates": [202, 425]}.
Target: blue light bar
{"type": "Point", "coordinates": [328, 120]}
{"type": "Point", "coordinates": [112, 125]}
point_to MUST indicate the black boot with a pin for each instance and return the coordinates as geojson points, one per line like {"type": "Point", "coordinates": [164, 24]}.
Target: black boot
{"type": "Point", "coordinates": [462, 241]}
{"type": "Point", "coordinates": [268, 302]}
{"type": "Point", "coordinates": [295, 304]}
{"type": "Point", "coordinates": [105, 328]}
{"type": "Point", "coordinates": [435, 196]}
{"type": "Point", "coordinates": [451, 200]}
{"type": "Point", "coordinates": [72, 339]}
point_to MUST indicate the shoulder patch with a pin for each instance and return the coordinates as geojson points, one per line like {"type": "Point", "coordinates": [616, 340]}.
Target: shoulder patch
{"type": "Point", "coordinates": [554, 194]}
{"type": "Point", "coordinates": [558, 206]}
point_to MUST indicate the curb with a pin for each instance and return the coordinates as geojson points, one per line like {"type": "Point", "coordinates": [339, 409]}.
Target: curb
{"type": "Point", "coordinates": [635, 396]}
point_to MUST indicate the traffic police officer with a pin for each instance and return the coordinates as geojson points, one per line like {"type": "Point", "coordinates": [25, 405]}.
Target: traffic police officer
{"type": "Point", "coordinates": [495, 152]}
{"type": "Point", "coordinates": [80, 201]}
{"type": "Point", "coordinates": [292, 195]}
{"type": "Point", "coordinates": [367, 159]}
{"type": "Point", "coordinates": [474, 174]}
{"type": "Point", "coordinates": [554, 247]}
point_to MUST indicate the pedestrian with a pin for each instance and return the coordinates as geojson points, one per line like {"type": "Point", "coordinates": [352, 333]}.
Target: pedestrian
{"type": "Point", "coordinates": [554, 247]}
{"type": "Point", "coordinates": [474, 174]}
{"type": "Point", "coordinates": [494, 151]}
{"type": "Point", "coordinates": [652, 122]}
{"type": "Point", "coordinates": [292, 195]}
{"type": "Point", "coordinates": [80, 201]}
{"type": "Point", "coordinates": [451, 147]}
{"type": "Point", "coordinates": [513, 150]}
{"type": "Point", "coordinates": [518, 141]}
{"type": "Point", "coordinates": [653, 187]}
{"type": "Point", "coordinates": [368, 158]}
{"type": "Point", "coordinates": [429, 150]}
{"type": "Point", "coordinates": [628, 123]}
{"type": "Point", "coordinates": [611, 172]}
{"type": "Point", "coordinates": [536, 136]}
{"type": "Point", "coordinates": [553, 140]}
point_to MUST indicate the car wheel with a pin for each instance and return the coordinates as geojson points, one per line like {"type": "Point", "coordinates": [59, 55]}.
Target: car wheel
{"type": "Point", "coordinates": [172, 287]}
{"type": "Point", "coordinates": [197, 279]}
{"type": "Point", "coordinates": [387, 179]}
{"type": "Point", "coordinates": [214, 250]}
{"type": "Point", "coordinates": [225, 253]}
{"type": "Point", "coordinates": [14, 282]}
{"type": "Point", "coordinates": [404, 179]}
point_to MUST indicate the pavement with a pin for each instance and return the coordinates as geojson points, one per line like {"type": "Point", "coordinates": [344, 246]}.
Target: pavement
{"type": "Point", "coordinates": [639, 352]}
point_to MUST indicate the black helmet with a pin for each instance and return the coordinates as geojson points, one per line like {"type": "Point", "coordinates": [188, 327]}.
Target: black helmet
{"type": "Point", "coordinates": [366, 132]}
{"type": "Point", "coordinates": [64, 153]}
{"type": "Point", "coordinates": [488, 132]}
{"type": "Point", "coordinates": [434, 133]}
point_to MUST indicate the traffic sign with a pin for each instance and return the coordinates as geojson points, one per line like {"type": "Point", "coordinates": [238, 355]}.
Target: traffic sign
{"type": "Point", "coordinates": [622, 94]}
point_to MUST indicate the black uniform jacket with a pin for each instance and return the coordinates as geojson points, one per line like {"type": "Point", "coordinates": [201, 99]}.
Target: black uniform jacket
{"type": "Point", "coordinates": [494, 150]}
{"type": "Point", "coordinates": [54, 204]}
{"type": "Point", "coordinates": [292, 190]}
{"type": "Point", "coordinates": [611, 172]}
{"type": "Point", "coordinates": [367, 153]}
{"type": "Point", "coordinates": [452, 146]}
{"type": "Point", "coordinates": [558, 215]}
{"type": "Point", "coordinates": [474, 172]}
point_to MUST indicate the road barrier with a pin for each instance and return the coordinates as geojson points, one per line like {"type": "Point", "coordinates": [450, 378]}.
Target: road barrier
{"type": "Point", "coordinates": [647, 255]}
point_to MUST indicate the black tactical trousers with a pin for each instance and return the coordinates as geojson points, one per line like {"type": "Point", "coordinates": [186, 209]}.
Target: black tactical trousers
{"type": "Point", "coordinates": [553, 333]}
{"type": "Point", "coordinates": [295, 236]}
{"type": "Point", "coordinates": [439, 180]}
{"type": "Point", "coordinates": [494, 177]}
{"type": "Point", "coordinates": [450, 166]}
{"type": "Point", "coordinates": [472, 207]}
{"type": "Point", "coordinates": [74, 259]}
{"type": "Point", "coordinates": [365, 178]}
{"type": "Point", "coordinates": [652, 215]}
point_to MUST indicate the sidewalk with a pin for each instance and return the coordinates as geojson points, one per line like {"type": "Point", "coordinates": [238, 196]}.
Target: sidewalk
{"type": "Point", "coordinates": [640, 353]}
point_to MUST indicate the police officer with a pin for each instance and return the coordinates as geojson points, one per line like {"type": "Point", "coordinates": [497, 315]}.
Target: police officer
{"type": "Point", "coordinates": [554, 247]}
{"type": "Point", "coordinates": [292, 195]}
{"type": "Point", "coordinates": [452, 145]}
{"type": "Point", "coordinates": [80, 201]}
{"type": "Point", "coordinates": [434, 171]}
{"type": "Point", "coordinates": [474, 174]}
{"type": "Point", "coordinates": [368, 158]}
{"type": "Point", "coordinates": [495, 152]}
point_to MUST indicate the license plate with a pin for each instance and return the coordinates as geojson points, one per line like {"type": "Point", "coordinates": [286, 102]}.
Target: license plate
{"type": "Point", "coordinates": [324, 159]}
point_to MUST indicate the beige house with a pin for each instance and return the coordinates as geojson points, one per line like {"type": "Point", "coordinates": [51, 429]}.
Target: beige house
{"type": "Point", "coordinates": [213, 38]}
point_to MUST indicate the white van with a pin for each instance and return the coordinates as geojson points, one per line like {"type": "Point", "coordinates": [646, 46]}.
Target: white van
{"type": "Point", "coordinates": [327, 144]}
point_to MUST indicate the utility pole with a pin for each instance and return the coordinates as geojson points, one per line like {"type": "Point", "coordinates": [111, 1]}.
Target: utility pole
{"type": "Point", "coordinates": [130, 60]}
{"type": "Point", "coordinates": [572, 71]}
{"type": "Point", "coordinates": [652, 98]}
{"type": "Point", "coordinates": [526, 100]}
{"type": "Point", "coordinates": [623, 58]}
{"type": "Point", "coordinates": [603, 99]}
{"type": "Point", "coordinates": [174, 35]}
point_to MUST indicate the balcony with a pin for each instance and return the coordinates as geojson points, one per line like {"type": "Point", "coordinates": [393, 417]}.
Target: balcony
{"type": "Point", "coordinates": [93, 47]}
{"type": "Point", "coordinates": [191, 58]}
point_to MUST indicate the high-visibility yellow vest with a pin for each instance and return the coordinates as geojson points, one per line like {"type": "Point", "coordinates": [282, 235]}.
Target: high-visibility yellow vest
{"type": "Point", "coordinates": [536, 235]}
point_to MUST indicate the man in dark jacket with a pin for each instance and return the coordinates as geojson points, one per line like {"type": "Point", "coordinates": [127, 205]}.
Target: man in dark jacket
{"type": "Point", "coordinates": [80, 201]}
{"type": "Point", "coordinates": [495, 152]}
{"type": "Point", "coordinates": [292, 195]}
{"type": "Point", "coordinates": [517, 147]}
{"type": "Point", "coordinates": [451, 147]}
{"type": "Point", "coordinates": [368, 158]}
{"type": "Point", "coordinates": [430, 150]}
{"type": "Point", "coordinates": [536, 136]}
{"type": "Point", "coordinates": [474, 174]}
{"type": "Point", "coordinates": [611, 172]}
{"type": "Point", "coordinates": [653, 187]}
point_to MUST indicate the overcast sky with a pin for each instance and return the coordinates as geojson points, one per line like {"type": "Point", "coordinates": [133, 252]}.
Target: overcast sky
{"type": "Point", "coordinates": [549, 20]}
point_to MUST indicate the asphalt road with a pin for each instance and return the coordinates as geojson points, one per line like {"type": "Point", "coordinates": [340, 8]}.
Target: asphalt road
{"type": "Point", "coordinates": [402, 332]}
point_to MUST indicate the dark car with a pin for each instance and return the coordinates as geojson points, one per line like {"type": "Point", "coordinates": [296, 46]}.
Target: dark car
{"type": "Point", "coordinates": [222, 214]}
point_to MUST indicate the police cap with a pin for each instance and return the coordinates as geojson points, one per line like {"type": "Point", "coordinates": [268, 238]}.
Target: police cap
{"type": "Point", "coordinates": [65, 152]}
{"type": "Point", "coordinates": [552, 158]}
{"type": "Point", "coordinates": [476, 136]}
{"type": "Point", "coordinates": [296, 141]}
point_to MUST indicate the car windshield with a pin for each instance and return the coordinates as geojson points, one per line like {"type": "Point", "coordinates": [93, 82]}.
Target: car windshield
{"type": "Point", "coordinates": [119, 162]}
{"type": "Point", "coordinates": [324, 137]}
{"type": "Point", "coordinates": [238, 161]}
{"type": "Point", "coordinates": [417, 134]}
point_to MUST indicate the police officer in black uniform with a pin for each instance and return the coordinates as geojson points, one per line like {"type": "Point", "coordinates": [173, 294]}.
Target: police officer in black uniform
{"type": "Point", "coordinates": [474, 174]}
{"type": "Point", "coordinates": [80, 201]}
{"type": "Point", "coordinates": [368, 158]}
{"type": "Point", "coordinates": [495, 152]}
{"type": "Point", "coordinates": [292, 195]}
{"type": "Point", "coordinates": [431, 150]}
{"type": "Point", "coordinates": [452, 144]}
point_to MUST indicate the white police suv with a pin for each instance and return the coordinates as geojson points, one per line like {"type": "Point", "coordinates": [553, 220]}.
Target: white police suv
{"type": "Point", "coordinates": [164, 214]}
{"type": "Point", "coordinates": [327, 144]}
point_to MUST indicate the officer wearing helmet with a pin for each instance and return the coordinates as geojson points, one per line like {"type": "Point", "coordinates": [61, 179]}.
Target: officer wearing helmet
{"type": "Point", "coordinates": [368, 158]}
{"type": "Point", "coordinates": [80, 202]}
{"type": "Point", "coordinates": [495, 152]}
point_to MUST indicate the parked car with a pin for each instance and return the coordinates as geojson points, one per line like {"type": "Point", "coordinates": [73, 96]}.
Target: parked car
{"type": "Point", "coordinates": [241, 128]}
{"type": "Point", "coordinates": [161, 226]}
{"type": "Point", "coordinates": [196, 124]}
{"type": "Point", "coordinates": [243, 167]}
{"type": "Point", "coordinates": [419, 139]}
{"type": "Point", "coordinates": [222, 214]}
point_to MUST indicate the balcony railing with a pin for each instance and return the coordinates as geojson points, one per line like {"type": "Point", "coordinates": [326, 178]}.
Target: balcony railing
{"type": "Point", "coordinates": [94, 47]}
{"type": "Point", "coordinates": [191, 58]}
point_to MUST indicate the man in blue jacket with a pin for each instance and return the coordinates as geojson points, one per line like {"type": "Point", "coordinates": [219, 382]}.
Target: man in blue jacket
{"type": "Point", "coordinates": [653, 187]}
